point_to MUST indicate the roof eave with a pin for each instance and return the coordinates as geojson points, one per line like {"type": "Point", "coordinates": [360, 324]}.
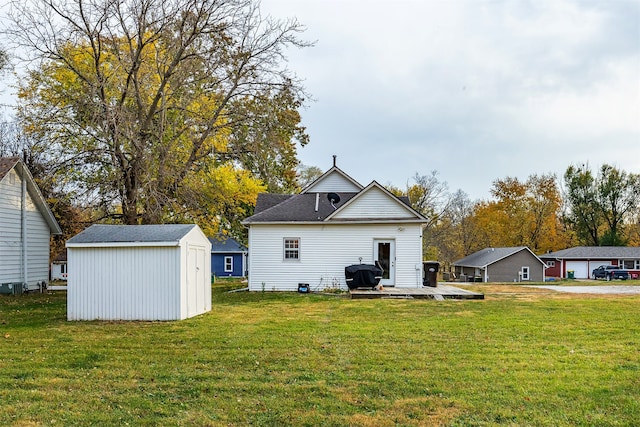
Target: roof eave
{"type": "Point", "coordinates": [342, 221]}
{"type": "Point", "coordinates": [122, 244]}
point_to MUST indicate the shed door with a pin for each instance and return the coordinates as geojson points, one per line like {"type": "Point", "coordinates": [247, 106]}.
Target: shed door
{"type": "Point", "coordinates": [384, 252]}
{"type": "Point", "coordinates": [195, 281]}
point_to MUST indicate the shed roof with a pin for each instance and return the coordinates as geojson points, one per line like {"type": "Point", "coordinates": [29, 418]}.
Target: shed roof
{"type": "Point", "coordinates": [596, 252]}
{"type": "Point", "coordinates": [488, 256]}
{"type": "Point", "coordinates": [154, 233]}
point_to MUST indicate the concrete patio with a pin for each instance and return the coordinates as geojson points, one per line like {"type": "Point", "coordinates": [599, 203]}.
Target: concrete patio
{"type": "Point", "coordinates": [440, 292]}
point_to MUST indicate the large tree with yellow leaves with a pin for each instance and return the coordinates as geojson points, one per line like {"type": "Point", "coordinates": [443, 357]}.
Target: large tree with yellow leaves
{"type": "Point", "coordinates": [162, 110]}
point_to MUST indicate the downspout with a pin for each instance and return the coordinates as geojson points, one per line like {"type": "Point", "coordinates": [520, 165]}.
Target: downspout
{"type": "Point", "coordinates": [23, 218]}
{"type": "Point", "coordinates": [486, 274]}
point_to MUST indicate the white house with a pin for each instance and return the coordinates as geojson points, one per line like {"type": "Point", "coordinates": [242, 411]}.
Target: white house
{"type": "Point", "coordinates": [334, 222]}
{"type": "Point", "coordinates": [138, 272]}
{"type": "Point", "coordinates": [59, 267]}
{"type": "Point", "coordinates": [26, 225]}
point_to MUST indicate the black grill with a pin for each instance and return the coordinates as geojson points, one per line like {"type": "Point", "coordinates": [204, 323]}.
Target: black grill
{"type": "Point", "coordinates": [362, 276]}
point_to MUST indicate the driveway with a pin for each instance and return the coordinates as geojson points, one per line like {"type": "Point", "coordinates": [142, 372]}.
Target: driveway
{"type": "Point", "coordinates": [612, 290]}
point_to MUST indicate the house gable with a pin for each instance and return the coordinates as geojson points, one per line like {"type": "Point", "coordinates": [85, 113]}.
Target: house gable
{"type": "Point", "coordinates": [12, 174]}
{"type": "Point", "coordinates": [374, 203]}
{"type": "Point", "coordinates": [334, 180]}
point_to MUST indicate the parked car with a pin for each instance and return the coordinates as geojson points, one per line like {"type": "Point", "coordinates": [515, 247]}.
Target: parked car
{"type": "Point", "coordinates": [610, 272]}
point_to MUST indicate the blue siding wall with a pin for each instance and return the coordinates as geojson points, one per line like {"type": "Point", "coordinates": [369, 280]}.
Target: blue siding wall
{"type": "Point", "coordinates": [217, 265]}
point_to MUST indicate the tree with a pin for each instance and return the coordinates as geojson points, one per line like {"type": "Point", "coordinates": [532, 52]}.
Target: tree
{"type": "Point", "coordinates": [430, 197]}
{"type": "Point", "coordinates": [158, 108]}
{"type": "Point", "coordinates": [599, 207]}
{"type": "Point", "coordinates": [457, 234]}
{"type": "Point", "coordinates": [619, 195]}
{"type": "Point", "coordinates": [308, 174]}
{"type": "Point", "coordinates": [583, 215]}
{"type": "Point", "coordinates": [3, 60]}
{"type": "Point", "coordinates": [71, 217]}
{"type": "Point", "coordinates": [522, 214]}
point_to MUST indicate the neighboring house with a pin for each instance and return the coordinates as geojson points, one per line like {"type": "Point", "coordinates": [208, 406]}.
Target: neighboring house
{"type": "Point", "coordinates": [26, 226]}
{"type": "Point", "coordinates": [228, 257]}
{"type": "Point", "coordinates": [517, 264]}
{"type": "Point", "coordinates": [59, 266]}
{"type": "Point", "coordinates": [138, 272]}
{"type": "Point", "coordinates": [309, 238]}
{"type": "Point", "coordinates": [582, 260]}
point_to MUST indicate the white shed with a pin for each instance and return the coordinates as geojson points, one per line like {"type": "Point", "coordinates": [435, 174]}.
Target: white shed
{"type": "Point", "coordinates": [138, 272]}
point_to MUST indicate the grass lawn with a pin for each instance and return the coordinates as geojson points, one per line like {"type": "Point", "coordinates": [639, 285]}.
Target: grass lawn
{"type": "Point", "coordinates": [522, 356]}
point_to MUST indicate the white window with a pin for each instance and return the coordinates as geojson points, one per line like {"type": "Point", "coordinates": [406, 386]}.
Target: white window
{"type": "Point", "coordinates": [551, 263]}
{"type": "Point", "coordinates": [630, 264]}
{"type": "Point", "coordinates": [291, 249]}
{"type": "Point", "coordinates": [525, 273]}
{"type": "Point", "coordinates": [228, 264]}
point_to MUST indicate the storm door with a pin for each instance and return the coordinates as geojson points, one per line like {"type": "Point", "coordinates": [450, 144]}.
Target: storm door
{"type": "Point", "coordinates": [384, 253]}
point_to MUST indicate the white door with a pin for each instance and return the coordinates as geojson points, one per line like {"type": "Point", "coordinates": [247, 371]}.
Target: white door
{"type": "Point", "coordinates": [195, 281]}
{"type": "Point", "coordinates": [384, 254]}
{"type": "Point", "coordinates": [580, 269]}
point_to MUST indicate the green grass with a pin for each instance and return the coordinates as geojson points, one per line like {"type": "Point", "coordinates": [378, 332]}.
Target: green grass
{"type": "Point", "coordinates": [520, 357]}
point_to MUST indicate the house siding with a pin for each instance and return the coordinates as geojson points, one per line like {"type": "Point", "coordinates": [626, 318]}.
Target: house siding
{"type": "Point", "coordinates": [325, 250]}
{"type": "Point", "coordinates": [217, 264]}
{"type": "Point", "coordinates": [506, 270]}
{"type": "Point", "coordinates": [38, 239]}
{"type": "Point", "coordinates": [11, 239]}
{"type": "Point", "coordinates": [334, 183]}
{"type": "Point", "coordinates": [10, 229]}
{"type": "Point", "coordinates": [374, 204]}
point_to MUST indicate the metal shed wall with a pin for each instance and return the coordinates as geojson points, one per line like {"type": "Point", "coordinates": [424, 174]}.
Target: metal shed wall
{"type": "Point", "coordinates": [134, 281]}
{"type": "Point", "coordinates": [125, 283]}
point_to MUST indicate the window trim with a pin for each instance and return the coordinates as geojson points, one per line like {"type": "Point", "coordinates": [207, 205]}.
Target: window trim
{"type": "Point", "coordinates": [551, 263]}
{"type": "Point", "coordinates": [636, 263]}
{"type": "Point", "coordinates": [525, 273]}
{"type": "Point", "coordinates": [291, 250]}
{"type": "Point", "coordinates": [228, 261]}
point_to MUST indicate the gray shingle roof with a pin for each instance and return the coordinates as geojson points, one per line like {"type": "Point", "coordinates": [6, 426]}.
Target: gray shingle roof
{"type": "Point", "coordinates": [488, 256]}
{"type": "Point", "coordinates": [6, 164]}
{"type": "Point", "coordinates": [297, 208]}
{"type": "Point", "coordinates": [269, 200]}
{"type": "Point", "coordinates": [596, 252]}
{"type": "Point", "coordinates": [104, 233]}
{"type": "Point", "coordinates": [222, 243]}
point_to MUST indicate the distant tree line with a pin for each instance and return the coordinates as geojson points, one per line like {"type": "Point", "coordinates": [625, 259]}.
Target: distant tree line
{"type": "Point", "coordinates": [586, 208]}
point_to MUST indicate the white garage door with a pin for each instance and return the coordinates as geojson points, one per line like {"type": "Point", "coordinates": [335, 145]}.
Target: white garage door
{"type": "Point", "coordinates": [595, 264]}
{"type": "Point", "coordinates": [580, 269]}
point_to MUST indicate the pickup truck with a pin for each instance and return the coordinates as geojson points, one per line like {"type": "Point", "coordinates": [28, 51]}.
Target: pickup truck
{"type": "Point", "coordinates": [609, 272]}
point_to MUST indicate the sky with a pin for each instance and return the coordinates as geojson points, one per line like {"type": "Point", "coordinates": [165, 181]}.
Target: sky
{"type": "Point", "coordinates": [475, 90]}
